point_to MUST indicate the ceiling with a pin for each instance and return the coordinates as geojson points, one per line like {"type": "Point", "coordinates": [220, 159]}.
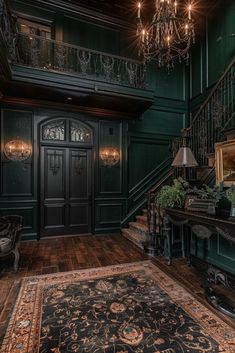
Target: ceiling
{"type": "Point", "coordinates": [127, 10]}
{"type": "Point", "coordinates": [110, 7]}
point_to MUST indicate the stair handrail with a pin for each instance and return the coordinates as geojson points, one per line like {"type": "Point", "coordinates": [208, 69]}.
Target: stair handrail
{"type": "Point", "coordinates": [152, 212]}
{"type": "Point", "coordinates": [145, 182]}
{"type": "Point", "coordinates": [216, 85]}
{"type": "Point", "coordinates": [215, 115]}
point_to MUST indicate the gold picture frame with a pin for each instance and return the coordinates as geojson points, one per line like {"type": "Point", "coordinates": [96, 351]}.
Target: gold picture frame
{"type": "Point", "coordinates": [225, 162]}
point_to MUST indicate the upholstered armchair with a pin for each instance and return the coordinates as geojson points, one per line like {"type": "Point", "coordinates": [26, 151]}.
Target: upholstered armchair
{"type": "Point", "coordinates": [10, 228]}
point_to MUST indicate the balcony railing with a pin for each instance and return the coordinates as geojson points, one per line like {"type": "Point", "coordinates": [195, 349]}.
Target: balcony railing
{"type": "Point", "coordinates": [39, 52]}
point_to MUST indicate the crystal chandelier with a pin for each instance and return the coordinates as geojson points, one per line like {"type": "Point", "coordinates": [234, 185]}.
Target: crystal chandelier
{"type": "Point", "coordinates": [169, 35]}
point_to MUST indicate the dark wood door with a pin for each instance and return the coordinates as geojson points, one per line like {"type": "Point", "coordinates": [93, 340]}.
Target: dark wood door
{"type": "Point", "coordinates": [65, 191]}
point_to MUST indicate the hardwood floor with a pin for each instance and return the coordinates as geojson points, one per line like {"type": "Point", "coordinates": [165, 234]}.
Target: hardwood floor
{"type": "Point", "coordinates": [74, 253]}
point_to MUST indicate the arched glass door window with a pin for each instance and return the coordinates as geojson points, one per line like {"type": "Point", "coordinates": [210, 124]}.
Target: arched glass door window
{"type": "Point", "coordinates": [54, 131]}
{"type": "Point", "coordinates": [80, 133]}
{"type": "Point", "coordinates": [68, 131]}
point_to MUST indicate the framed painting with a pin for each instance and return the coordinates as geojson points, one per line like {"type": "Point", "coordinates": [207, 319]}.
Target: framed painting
{"type": "Point", "coordinates": [225, 162]}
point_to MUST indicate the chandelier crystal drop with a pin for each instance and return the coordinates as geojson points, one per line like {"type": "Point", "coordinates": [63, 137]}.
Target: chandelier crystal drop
{"type": "Point", "coordinates": [169, 35]}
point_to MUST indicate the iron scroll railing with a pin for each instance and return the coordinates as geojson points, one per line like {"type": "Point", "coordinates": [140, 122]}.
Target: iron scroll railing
{"type": "Point", "coordinates": [214, 116]}
{"type": "Point", "coordinates": [48, 54]}
{"type": "Point", "coordinates": [39, 52]}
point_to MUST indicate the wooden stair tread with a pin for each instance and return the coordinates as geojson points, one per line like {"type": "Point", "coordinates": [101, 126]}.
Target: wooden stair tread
{"type": "Point", "coordinates": [139, 226]}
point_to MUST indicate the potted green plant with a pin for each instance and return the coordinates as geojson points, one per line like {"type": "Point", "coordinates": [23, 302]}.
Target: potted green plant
{"type": "Point", "coordinates": [230, 193]}
{"type": "Point", "coordinates": [172, 196]}
{"type": "Point", "coordinates": [218, 203]}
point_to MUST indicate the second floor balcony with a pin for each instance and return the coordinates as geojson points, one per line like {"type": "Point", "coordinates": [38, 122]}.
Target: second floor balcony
{"type": "Point", "coordinates": [47, 54]}
{"type": "Point", "coordinates": [98, 78]}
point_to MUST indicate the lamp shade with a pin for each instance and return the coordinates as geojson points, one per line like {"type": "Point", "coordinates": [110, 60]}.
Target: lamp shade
{"type": "Point", "coordinates": [184, 158]}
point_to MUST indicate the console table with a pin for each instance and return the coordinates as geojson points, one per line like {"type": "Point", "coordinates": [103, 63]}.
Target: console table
{"type": "Point", "coordinates": [203, 226]}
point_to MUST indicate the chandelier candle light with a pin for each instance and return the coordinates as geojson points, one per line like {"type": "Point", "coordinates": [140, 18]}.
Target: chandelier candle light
{"type": "Point", "coordinates": [169, 35]}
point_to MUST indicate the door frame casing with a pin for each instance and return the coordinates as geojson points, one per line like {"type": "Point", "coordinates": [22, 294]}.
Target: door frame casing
{"type": "Point", "coordinates": [90, 147]}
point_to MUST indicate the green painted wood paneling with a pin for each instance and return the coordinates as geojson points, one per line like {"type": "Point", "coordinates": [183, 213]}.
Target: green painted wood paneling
{"type": "Point", "coordinates": [16, 179]}
{"type": "Point", "coordinates": [197, 65]}
{"type": "Point", "coordinates": [28, 210]}
{"type": "Point", "coordinates": [16, 176]}
{"type": "Point", "coordinates": [218, 252]}
{"type": "Point", "coordinates": [214, 49]}
{"type": "Point", "coordinates": [110, 134]}
{"type": "Point", "coordinates": [109, 213]}
{"type": "Point", "coordinates": [161, 121]}
{"type": "Point", "coordinates": [170, 85]}
{"type": "Point", "coordinates": [90, 35]}
{"type": "Point", "coordinates": [145, 154]}
{"type": "Point", "coordinates": [220, 42]}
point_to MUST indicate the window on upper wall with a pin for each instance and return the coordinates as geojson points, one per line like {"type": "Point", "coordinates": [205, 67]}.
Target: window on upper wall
{"type": "Point", "coordinates": [36, 28]}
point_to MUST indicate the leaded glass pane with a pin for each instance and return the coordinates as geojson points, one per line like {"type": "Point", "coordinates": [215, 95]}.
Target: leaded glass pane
{"type": "Point", "coordinates": [79, 133]}
{"type": "Point", "coordinates": [54, 131]}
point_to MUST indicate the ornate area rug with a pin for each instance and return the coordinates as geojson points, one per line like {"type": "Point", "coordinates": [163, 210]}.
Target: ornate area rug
{"type": "Point", "coordinates": [116, 309]}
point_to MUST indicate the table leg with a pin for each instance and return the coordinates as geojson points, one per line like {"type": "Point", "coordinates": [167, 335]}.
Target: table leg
{"type": "Point", "coordinates": [188, 233]}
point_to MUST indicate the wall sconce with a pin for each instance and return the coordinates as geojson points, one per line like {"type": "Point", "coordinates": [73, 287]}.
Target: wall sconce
{"type": "Point", "coordinates": [110, 156]}
{"type": "Point", "coordinates": [17, 150]}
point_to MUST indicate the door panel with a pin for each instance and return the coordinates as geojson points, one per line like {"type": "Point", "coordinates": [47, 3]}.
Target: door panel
{"type": "Point", "coordinates": [78, 216]}
{"type": "Point", "coordinates": [65, 191]}
{"type": "Point", "coordinates": [78, 175]}
{"type": "Point", "coordinates": [54, 177]}
{"type": "Point", "coordinates": [54, 216]}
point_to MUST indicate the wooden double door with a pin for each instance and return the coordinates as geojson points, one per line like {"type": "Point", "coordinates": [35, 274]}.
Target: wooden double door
{"type": "Point", "coordinates": [66, 202]}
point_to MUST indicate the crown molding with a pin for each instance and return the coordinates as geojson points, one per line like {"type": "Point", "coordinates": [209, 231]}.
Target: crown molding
{"type": "Point", "coordinates": [83, 11]}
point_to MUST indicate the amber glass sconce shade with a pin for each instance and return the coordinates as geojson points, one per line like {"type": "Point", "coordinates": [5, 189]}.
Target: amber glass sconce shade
{"type": "Point", "coordinates": [17, 150]}
{"type": "Point", "coordinates": [110, 156]}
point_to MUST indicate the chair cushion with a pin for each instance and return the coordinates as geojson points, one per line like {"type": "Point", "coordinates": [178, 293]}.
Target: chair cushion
{"type": "Point", "coordinates": [5, 245]}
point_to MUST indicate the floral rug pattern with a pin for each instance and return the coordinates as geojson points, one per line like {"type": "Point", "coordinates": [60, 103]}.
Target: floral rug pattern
{"type": "Point", "coordinates": [131, 308]}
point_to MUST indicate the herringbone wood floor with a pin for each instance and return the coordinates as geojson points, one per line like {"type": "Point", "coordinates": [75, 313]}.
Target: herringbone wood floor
{"type": "Point", "coordinates": [74, 253]}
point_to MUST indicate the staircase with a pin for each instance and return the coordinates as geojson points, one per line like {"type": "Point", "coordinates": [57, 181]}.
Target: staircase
{"type": "Point", "coordinates": [215, 115]}
{"type": "Point", "coordinates": [138, 230]}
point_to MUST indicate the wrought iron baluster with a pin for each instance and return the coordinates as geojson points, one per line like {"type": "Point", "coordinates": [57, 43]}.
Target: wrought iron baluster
{"type": "Point", "coordinates": [149, 213]}
{"type": "Point", "coordinates": [232, 97]}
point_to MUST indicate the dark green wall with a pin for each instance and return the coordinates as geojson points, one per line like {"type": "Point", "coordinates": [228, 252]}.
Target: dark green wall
{"type": "Point", "coordinates": [210, 57]}
{"type": "Point", "coordinates": [143, 143]}
{"type": "Point", "coordinates": [213, 51]}
{"type": "Point", "coordinates": [20, 181]}
{"type": "Point", "coordinates": [18, 193]}
{"type": "Point", "coordinates": [166, 117]}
